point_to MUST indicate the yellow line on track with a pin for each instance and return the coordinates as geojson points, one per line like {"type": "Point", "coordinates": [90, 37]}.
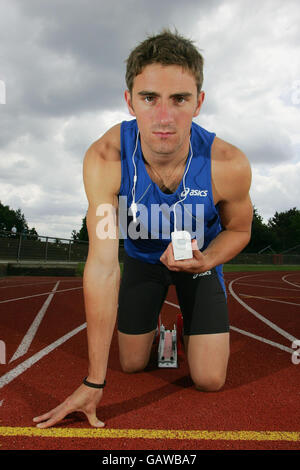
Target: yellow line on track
{"type": "Point", "coordinates": [150, 434]}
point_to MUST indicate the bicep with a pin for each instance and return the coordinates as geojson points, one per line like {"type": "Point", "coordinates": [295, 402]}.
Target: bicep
{"type": "Point", "coordinates": [237, 214]}
{"type": "Point", "coordinates": [101, 181]}
{"type": "Point", "coordinates": [236, 209]}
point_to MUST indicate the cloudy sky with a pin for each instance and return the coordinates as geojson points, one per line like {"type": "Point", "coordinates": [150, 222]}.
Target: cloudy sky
{"type": "Point", "coordinates": [62, 64]}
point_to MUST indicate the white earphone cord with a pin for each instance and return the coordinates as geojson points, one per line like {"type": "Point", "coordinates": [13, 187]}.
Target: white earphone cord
{"type": "Point", "coordinates": [184, 190]}
{"type": "Point", "coordinates": [133, 204]}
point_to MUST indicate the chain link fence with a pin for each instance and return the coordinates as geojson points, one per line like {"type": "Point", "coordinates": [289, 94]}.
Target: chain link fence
{"type": "Point", "coordinates": [24, 247]}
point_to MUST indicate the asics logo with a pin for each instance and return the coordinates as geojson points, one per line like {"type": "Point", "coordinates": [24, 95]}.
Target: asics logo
{"type": "Point", "coordinates": [207, 273]}
{"type": "Point", "coordinates": [194, 192]}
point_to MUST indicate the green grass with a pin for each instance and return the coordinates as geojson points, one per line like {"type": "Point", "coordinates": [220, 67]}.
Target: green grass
{"type": "Point", "coordinates": [229, 268]}
{"type": "Point", "coordinates": [80, 269]}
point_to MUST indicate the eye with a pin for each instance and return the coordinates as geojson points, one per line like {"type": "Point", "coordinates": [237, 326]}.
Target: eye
{"type": "Point", "coordinates": [149, 99]}
{"type": "Point", "coordinates": [179, 99]}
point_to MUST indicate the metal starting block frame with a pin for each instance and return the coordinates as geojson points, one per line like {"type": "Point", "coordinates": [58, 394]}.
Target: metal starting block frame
{"type": "Point", "coordinates": [167, 348]}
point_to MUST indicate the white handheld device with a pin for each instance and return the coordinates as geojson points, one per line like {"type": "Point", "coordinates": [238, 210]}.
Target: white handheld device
{"type": "Point", "coordinates": [182, 245]}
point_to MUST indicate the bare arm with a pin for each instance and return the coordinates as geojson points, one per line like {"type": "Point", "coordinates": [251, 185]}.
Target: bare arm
{"type": "Point", "coordinates": [102, 272]}
{"type": "Point", "coordinates": [102, 175]}
{"type": "Point", "coordinates": [231, 184]}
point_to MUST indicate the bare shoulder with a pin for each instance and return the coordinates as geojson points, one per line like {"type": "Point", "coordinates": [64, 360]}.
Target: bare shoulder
{"type": "Point", "coordinates": [231, 171]}
{"type": "Point", "coordinates": [109, 144]}
{"type": "Point", "coordinates": [102, 166]}
{"type": "Point", "coordinates": [225, 153]}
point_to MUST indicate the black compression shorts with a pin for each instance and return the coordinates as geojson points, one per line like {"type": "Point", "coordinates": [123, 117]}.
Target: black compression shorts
{"type": "Point", "coordinates": [144, 287]}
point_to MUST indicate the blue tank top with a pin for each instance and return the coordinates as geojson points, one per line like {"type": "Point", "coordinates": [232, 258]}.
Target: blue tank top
{"type": "Point", "coordinates": [148, 239]}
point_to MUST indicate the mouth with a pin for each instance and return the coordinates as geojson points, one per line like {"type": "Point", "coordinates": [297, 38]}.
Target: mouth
{"type": "Point", "coordinates": [163, 135]}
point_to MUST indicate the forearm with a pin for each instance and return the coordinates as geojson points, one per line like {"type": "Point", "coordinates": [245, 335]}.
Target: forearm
{"type": "Point", "coordinates": [101, 289]}
{"type": "Point", "coordinates": [225, 247]}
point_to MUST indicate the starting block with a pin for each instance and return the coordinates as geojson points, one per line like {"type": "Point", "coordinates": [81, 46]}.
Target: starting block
{"type": "Point", "coordinates": [167, 348]}
{"type": "Point", "coordinates": [169, 344]}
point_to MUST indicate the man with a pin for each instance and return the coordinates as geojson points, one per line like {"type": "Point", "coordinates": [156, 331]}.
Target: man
{"type": "Point", "coordinates": [155, 159]}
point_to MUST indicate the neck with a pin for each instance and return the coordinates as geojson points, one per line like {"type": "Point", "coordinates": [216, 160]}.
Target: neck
{"type": "Point", "coordinates": [167, 177]}
{"type": "Point", "coordinates": [165, 161]}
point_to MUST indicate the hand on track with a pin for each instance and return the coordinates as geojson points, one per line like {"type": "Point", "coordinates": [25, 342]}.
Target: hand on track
{"type": "Point", "coordinates": [84, 399]}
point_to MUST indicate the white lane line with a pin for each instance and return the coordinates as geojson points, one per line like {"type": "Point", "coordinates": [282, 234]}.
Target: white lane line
{"type": "Point", "coordinates": [14, 373]}
{"type": "Point", "coordinates": [28, 284]}
{"type": "Point", "coordinates": [251, 335]}
{"type": "Point", "coordinates": [29, 336]}
{"type": "Point", "coordinates": [271, 300]}
{"type": "Point", "coordinates": [37, 295]}
{"type": "Point", "coordinates": [264, 340]}
{"type": "Point", "coordinates": [258, 315]}
{"type": "Point", "coordinates": [170, 303]}
{"type": "Point", "coordinates": [289, 282]}
{"type": "Point", "coordinates": [38, 283]}
{"type": "Point", "coordinates": [279, 281]}
{"type": "Point", "coordinates": [269, 287]}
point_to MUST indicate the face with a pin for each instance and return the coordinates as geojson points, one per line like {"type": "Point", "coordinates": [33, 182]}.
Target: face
{"type": "Point", "coordinates": [164, 101]}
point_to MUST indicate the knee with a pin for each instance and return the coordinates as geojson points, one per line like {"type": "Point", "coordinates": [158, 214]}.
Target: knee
{"type": "Point", "coordinates": [212, 383]}
{"type": "Point", "coordinates": [131, 367]}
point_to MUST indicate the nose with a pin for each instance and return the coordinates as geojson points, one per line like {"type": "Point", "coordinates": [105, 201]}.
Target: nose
{"type": "Point", "coordinates": [164, 113]}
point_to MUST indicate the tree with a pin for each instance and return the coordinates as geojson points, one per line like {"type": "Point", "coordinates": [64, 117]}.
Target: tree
{"type": "Point", "coordinates": [82, 234]}
{"type": "Point", "coordinates": [261, 236]}
{"type": "Point", "coordinates": [286, 228]}
{"type": "Point", "coordinates": [74, 235]}
{"type": "Point", "coordinates": [10, 218]}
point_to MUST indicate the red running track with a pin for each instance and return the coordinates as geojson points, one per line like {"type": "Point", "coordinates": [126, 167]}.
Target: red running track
{"type": "Point", "coordinates": [42, 324]}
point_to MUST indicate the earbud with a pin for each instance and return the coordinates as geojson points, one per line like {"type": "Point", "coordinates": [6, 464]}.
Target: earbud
{"type": "Point", "coordinates": [133, 208]}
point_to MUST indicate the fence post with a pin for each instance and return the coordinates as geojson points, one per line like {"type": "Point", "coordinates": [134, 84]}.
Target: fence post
{"type": "Point", "coordinates": [277, 258]}
{"type": "Point", "coordinates": [19, 247]}
{"type": "Point", "coordinates": [46, 249]}
{"type": "Point", "coordinates": [70, 250]}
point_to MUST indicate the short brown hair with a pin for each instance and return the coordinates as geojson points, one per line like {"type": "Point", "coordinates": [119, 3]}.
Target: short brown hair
{"type": "Point", "coordinates": [166, 48]}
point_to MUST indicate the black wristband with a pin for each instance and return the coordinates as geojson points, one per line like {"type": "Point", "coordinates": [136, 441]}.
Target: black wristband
{"type": "Point", "coordinates": [90, 384]}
